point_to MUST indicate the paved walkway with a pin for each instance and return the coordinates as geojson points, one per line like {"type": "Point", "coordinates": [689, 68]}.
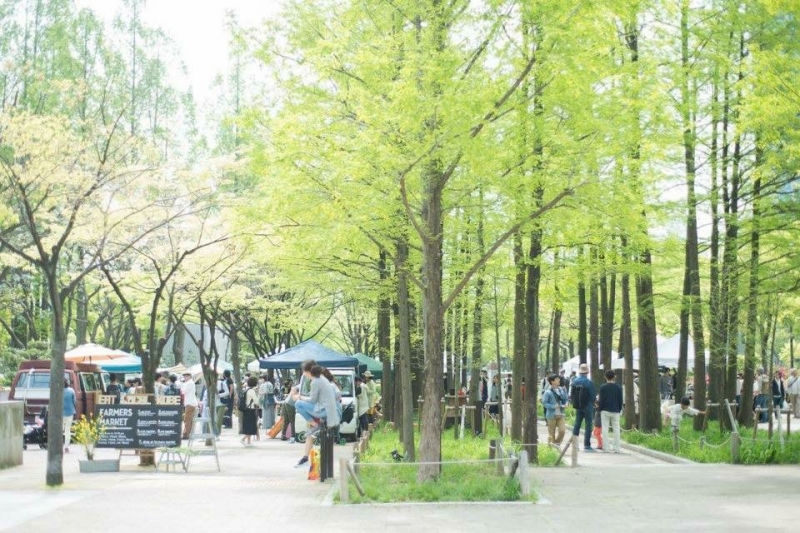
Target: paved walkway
{"type": "Point", "coordinates": [259, 489]}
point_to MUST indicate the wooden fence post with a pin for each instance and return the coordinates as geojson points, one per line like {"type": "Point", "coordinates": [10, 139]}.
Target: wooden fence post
{"type": "Point", "coordinates": [344, 486]}
{"type": "Point", "coordinates": [574, 451]}
{"type": "Point", "coordinates": [524, 474]}
{"type": "Point", "coordinates": [501, 454]}
{"type": "Point", "coordinates": [735, 447]}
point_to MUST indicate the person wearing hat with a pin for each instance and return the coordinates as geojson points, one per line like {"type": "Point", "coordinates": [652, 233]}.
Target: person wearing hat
{"type": "Point", "coordinates": [582, 397]}
{"type": "Point", "coordinates": [762, 389]}
{"type": "Point", "coordinates": [189, 393]}
{"type": "Point", "coordinates": [372, 395]}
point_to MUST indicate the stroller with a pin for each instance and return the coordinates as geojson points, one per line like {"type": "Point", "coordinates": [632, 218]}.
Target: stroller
{"type": "Point", "coordinates": [36, 433]}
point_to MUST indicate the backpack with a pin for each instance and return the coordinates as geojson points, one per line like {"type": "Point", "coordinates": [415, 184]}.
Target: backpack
{"type": "Point", "coordinates": [348, 413]}
{"type": "Point", "coordinates": [115, 390]}
{"type": "Point", "coordinates": [242, 405]}
{"type": "Point", "coordinates": [579, 397]}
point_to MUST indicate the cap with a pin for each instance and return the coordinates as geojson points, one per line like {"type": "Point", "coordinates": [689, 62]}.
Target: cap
{"type": "Point", "coordinates": [583, 369]}
{"type": "Point", "coordinates": [368, 374]}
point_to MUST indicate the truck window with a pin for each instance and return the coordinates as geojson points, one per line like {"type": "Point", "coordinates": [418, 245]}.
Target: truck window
{"type": "Point", "coordinates": [34, 380]}
{"type": "Point", "coordinates": [90, 382]}
{"type": "Point", "coordinates": [345, 384]}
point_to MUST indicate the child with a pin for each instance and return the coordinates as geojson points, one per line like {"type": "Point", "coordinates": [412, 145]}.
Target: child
{"type": "Point", "coordinates": [598, 426]}
{"type": "Point", "coordinates": [677, 411]}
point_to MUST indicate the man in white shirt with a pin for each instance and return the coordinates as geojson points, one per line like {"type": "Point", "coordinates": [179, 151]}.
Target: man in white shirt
{"type": "Point", "coordinates": [677, 412]}
{"type": "Point", "coordinates": [189, 393]}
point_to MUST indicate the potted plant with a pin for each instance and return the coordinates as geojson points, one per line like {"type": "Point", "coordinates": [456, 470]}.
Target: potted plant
{"type": "Point", "coordinates": [87, 432]}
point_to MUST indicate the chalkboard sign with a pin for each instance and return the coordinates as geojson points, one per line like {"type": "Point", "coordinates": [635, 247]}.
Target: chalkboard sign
{"type": "Point", "coordinates": [140, 426]}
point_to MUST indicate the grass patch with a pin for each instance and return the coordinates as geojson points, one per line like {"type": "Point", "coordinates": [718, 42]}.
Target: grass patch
{"type": "Point", "coordinates": [465, 482]}
{"type": "Point", "coordinates": [716, 447]}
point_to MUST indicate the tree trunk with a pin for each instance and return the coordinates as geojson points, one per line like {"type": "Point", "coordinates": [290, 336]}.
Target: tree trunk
{"type": "Point", "coordinates": [683, 347]}
{"type": "Point", "coordinates": [594, 323]}
{"type": "Point", "coordinates": [606, 323]}
{"type": "Point", "coordinates": [649, 401]}
{"type": "Point", "coordinates": [430, 447]}
{"type": "Point", "coordinates": [518, 362]}
{"type": "Point", "coordinates": [745, 417]}
{"type": "Point", "coordinates": [385, 340]}
{"type": "Point", "coordinates": [534, 274]}
{"type": "Point", "coordinates": [556, 336]}
{"type": "Point", "coordinates": [477, 320]}
{"type": "Point", "coordinates": [626, 344]}
{"type": "Point", "coordinates": [583, 344]}
{"type": "Point", "coordinates": [695, 301]}
{"type": "Point", "coordinates": [55, 409]}
{"type": "Point", "coordinates": [81, 313]}
{"type": "Point", "coordinates": [179, 342]}
{"type": "Point", "coordinates": [404, 332]}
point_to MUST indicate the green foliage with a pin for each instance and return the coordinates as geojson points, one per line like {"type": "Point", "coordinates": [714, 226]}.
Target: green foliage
{"type": "Point", "coordinates": [10, 358]}
{"type": "Point", "coordinates": [397, 482]}
{"type": "Point", "coordinates": [716, 446]}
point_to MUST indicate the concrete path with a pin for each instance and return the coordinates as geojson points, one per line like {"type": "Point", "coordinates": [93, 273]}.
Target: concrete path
{"type": "Point", "coordinates": [259, 489]}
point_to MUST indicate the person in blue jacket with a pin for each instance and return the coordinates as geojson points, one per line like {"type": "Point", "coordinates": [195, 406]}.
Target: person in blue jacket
{"type": "Point", "coordinates": [582, 397]}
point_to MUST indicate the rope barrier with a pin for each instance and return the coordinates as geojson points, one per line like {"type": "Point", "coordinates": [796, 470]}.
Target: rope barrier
{"type": "Point", "coordinates": [467, 461]}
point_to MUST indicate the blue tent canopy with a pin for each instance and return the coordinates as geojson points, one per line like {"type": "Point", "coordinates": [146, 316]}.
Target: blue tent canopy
{"type": "Point", "coordinates": [124, 365]}
{"type": "Point", "coordinates": [310, 349]}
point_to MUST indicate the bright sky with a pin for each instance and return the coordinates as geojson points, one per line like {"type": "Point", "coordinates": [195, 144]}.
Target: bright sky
{"type": "Point", "coordinates": [197, 27]}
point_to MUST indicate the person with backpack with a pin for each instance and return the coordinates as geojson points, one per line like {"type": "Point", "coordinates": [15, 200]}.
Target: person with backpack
{"type": "Point", "coordinates": [173, 389]}
{"type": "Point", "coordinates": [582, 398]}
{"type": "Point", "coordinates": [554, 401]}
{"type": "Point", "coordinates": [247, 405]}
{"type": "Point", "coordinates": [114, 389]}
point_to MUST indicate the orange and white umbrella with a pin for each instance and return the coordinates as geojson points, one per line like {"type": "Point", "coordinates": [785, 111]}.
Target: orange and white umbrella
{"type": "Point", "coordinates": [93, 353]}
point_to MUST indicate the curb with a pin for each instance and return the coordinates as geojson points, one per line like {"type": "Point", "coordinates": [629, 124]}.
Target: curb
{"type": "Point", "coordinates": [661, 456]}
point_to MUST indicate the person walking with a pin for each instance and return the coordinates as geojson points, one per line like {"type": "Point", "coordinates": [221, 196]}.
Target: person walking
{"type": "Point", "coordinates": [554, 400]}
{"type": "Point", "coordinates": [248, 412]}
{"type": "Point", "coordinates": [793, 392]}
{"type": "Point", "coordinates": [582, 399]}
{"type": "Point", "coordinates": [610, 405]}
{"type": "Point", "coordinates": [762, 385]}
{"type": "Point", "coordinates": [363, 405]}
{"type": "Point", "coordinates": [69, 414]}
{"type": "Point", "coordinates": [287, 412]}
{"type": "Point", "coordinates": [189, 393]}
{"type": "Point", "coordinates": [778, 393]}
{"type": "Point", "coordinates": [266, 397]}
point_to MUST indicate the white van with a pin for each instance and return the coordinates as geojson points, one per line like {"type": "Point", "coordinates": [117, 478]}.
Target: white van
{"type": "Point", "coordinates": [346, 381]}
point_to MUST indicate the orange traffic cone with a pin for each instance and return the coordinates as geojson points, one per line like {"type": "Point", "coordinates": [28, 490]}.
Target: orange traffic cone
{"type": "Point", "coordinates": [313, 461]}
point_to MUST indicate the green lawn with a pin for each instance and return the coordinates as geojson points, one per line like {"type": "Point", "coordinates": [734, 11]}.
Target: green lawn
{"type": "Point", "coordinates": [396, 482]}
{"type": "Point", "coordinates": [715, 446]}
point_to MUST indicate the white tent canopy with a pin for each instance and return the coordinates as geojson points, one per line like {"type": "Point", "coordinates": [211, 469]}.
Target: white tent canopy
{"type": "Point", "coordinates": [571, 365]}
{"type": "Point", "coordinates": [668, 352]}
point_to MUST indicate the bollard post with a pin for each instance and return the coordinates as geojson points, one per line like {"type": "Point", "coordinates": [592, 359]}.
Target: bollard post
{"type": "Point", "coordinates": [501, 454]}
{"type": "Point", "coordinates": [574, 451]}
{"type": "Point", "coordinates": [344, 487]}
{"type": "Point", "coordinates": [323, 449]}
{"type": "Point", "coordinates": [492, 449]}
{"type": "Point", "coordinates": [524, 475]}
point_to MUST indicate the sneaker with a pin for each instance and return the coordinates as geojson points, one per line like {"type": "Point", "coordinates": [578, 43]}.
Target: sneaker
{"type": "Point", "coordinates": [291, 441]}
{"type": "Point", "coordinates": [303, 461]}
{"type": "Point", "coordinates": [588, 449]}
